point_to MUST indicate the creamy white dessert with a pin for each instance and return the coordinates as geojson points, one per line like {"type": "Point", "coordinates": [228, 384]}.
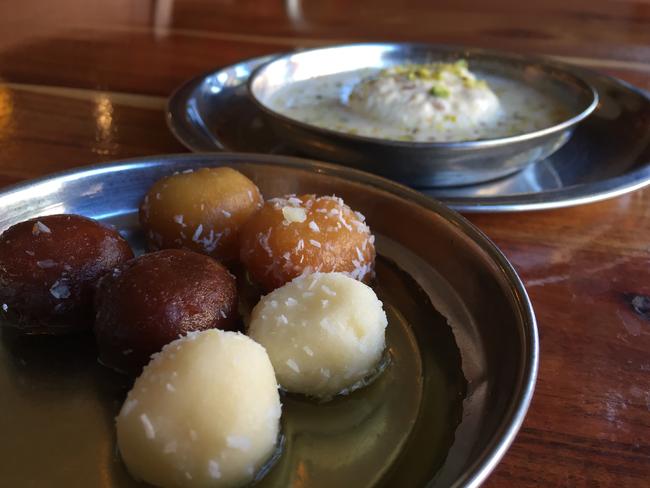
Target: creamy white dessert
{"type": "Point", "coordinates": [324, 333]}
{"type": "Point", "coordinates": [204, 412]}
{"type": "Point", "coordinates": [437, 102]}
{"type": "Point", "coordinates": [420, 98]}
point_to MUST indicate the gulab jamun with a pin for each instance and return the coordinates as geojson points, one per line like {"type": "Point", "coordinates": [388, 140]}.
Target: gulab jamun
{"type": "Point", "coordinates": [155, 298]}
{"type": "Point", "coordinates": [297, 235]}
{"type": "Point", "coordinates": [200, 210]}
{"type": "Point", "coordinates": [48, 270]}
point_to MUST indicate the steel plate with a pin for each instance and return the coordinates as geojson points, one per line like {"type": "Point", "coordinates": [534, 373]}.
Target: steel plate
{"type": "Point", "coordinates": [461, 333]}
{"type": "Point", "coordinates": [607, 156]}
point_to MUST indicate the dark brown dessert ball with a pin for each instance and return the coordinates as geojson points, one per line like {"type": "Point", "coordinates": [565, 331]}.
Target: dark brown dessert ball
{"type": "Point", "coordinates": [293, 235]}
{"type": "Point", "coordinates": [155, 298]}
{"type": "Point", "coordinates": [201, 210]}
{"type": "Point", "coordinates": [48, 270]}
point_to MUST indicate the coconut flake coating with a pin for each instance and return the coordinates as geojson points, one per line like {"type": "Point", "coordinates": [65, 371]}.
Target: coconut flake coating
{"type": "Point", "coordinates": [297, 235]}
{"type": "Point", "coordinates": [200, 210]}
{"type": "Point", "coordinates": [48, 270]}
{"type": "Point", "coordinates": [204, 413]}
{"type": "Point", "coordinates": [154, 298]}
{"type": "Point", "coordinates": [324, 333]}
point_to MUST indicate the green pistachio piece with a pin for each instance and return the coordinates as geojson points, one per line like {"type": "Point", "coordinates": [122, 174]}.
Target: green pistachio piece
{"type": "Point", "coordinates": [439, 91]}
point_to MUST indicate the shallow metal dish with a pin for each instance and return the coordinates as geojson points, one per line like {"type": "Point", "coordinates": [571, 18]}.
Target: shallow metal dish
{"type": "Point", "coordinates": [423, 164]}
{"type": "Point", "coordinates": [607, 156]}
{"type": "Point", "coordinates": [58, 404]}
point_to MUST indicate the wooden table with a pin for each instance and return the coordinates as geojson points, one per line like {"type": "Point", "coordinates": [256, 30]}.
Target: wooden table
{"type": "Point", "coordinates": [85, 81]}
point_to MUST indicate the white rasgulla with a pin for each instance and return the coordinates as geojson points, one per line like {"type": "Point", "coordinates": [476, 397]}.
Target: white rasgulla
{"type": "Point", "coordinates": [204, 412]}
{"type": "Point", "coordinates": [324, 333]}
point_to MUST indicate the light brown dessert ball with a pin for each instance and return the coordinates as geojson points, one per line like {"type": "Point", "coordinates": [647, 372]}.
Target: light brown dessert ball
{"type": "Point", "coordinates": [324, 333]}
{"type": "Point", "coordinates": [153, 299]}
{"type": "Point", "coordinates": [48, 270]}
{"type": "Point", "coordinates": [294, 235]}
{"type": "Point", "coordinates": [200, 210]}
{"type": "Point", "coordinates": [204, 413]}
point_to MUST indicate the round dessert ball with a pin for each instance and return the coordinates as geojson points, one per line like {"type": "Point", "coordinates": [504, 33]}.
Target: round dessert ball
{"type": "Point", "coordinates": [204, 412]}
{"type": "Point", "coordinates": [293, 235]}
{"type": "Point", "coordinates": [200, 210]}
{"type": "Point", "coordinates": [324, 332]}
{"type": "Point", "coordinates": [48, 270]}
{"type": "Point", "coordinates": [153, 299]}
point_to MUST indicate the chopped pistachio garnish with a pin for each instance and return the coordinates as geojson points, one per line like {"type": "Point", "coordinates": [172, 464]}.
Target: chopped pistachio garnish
{"type": "Point", "coordinates": [439, 91]}
{"type": "Point", "coordinates": [474, 83]}
{"type": "Point", "coordinates": [431, 71]}
{"type": "Point", "coordinates": [435, 72]}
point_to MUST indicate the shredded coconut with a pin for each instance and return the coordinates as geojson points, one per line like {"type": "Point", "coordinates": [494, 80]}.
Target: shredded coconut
{"type": "Point", "coordinates": [264, 241]}
{"type": "Point", "coordinates": [39, 227]}
{"type": "Point", "coordinates": [314, 226]}
{"type": "Point", "coordinates": [343, 221]}
{"type": "Point", "coordinates": [179, 220]}
{"type": "Point", "coordinates": [328, 290]}
{"type": "Point", "coordinates": [214, 469]}
{"type": "Point", "coordinates": [46, 263]}
{"type": "Point", "coordinates": [294, 214]}
{"type": "Point", "coordinates": [148, 426]}
{"type": "Point", "coordinates": [314, 243]}
{"type": "Point", "coordinates": [170, 387]}
{"type": "Point", "coordinates": [60, 290]}
{"type": "Point", "coordinates": [308, 350]}
{"type": "Point", "coordinates": [359, 254]}
{"type": "Point", "coordinates": [291, 302]}
{"type": "Point", "coordinates": [197, 233]}
{"type": "Point", "coordinates": [293, 365]}
{"type": "Point", "coordinates": [226, 214]}
{"type": "Point", "coordinates": [129, 405]}
{"type": "Point", "coordinates": [238, 442]}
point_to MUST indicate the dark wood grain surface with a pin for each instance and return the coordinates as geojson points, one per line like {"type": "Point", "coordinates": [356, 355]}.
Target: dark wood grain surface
{"type": "Point", "coordinates": [86, 81]}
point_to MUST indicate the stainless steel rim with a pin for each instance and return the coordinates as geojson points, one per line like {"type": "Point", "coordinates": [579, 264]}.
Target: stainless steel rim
{"type": "Point", "coordinates": [503, 438]}
{"type": "Point", "coordinates": [544, 200]}
{"type": "Point", "coordinates": [458, 145]}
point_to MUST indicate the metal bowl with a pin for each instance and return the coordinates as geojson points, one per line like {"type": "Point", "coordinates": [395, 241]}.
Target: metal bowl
{"type": "Point", "coordinates": [424, 164]}
{"type": "Point", "coordinates": [461, 332]}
